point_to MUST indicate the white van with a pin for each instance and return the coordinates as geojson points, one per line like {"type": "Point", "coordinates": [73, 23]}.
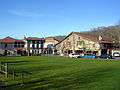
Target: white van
{"type": "Point", "coordinates": [116, 54]}
{"type": "Point", "coordinates": [74, 55]}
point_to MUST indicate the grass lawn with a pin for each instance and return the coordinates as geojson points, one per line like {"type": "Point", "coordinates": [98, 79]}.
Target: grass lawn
{"type": "Point", "coordinates": [62, 73]}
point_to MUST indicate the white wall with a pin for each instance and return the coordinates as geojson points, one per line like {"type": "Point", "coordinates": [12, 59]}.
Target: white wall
{"type": "Point", "coordinates": [53, 43]}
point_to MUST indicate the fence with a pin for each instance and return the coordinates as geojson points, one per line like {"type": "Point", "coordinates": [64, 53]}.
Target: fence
{"type": "Point", "coordinates": [5, 71]}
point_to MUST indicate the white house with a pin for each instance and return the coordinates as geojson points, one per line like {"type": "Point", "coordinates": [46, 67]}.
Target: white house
{"type": "Point", "coordinates": [49, 45]}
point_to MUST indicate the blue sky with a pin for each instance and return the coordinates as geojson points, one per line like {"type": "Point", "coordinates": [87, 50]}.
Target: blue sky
{"type": "Point", "coordinates": [42, 18]}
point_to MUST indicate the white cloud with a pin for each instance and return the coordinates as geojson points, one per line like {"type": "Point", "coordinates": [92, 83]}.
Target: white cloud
{"type": "Point", "coordinates": [25, 14]}
{"type": "Point", "coordinates": [35, 15]}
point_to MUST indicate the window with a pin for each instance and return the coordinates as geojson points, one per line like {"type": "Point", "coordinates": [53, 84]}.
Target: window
{"type": "Point", "coordinates": [78, 43]}
{"type": "Point", "coordinates": [40, 51]}
{"type": "Point", "coordinates": [49, 45]}
{"type": "Point", "coordinates": [69, 43]}
{"type": "Point", "coordinates": [18, 45]}
{"type": "Point", "coordinates": [35, 45]}
{"type": "Point", "coordinates": [31, 45]}
{"type": "Point", "coordinates": [31, 51]}
{"type": "Point", "coordinates": [15, 45]}
{"type": "Point", "coordinates": [22, 42]}
{"type": "Point", "coordinates": [40, 42]}
{"type": "Point", "coordinates": [39, 45]}
{"type": "Point", "coordinates": [22, 45]}
{"type": "Point", "coordinates": [33, 41]}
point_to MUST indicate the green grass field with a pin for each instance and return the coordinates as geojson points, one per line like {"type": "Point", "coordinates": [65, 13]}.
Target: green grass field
{"type": "Point", "coordinates": [62, 73]}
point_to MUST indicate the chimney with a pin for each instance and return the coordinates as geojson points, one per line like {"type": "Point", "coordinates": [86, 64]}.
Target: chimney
{"type": "Point", "coordinates": [24, 37]}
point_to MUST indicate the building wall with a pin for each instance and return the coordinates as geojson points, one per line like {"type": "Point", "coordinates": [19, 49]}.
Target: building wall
{"type": "Point", "coordinates": [34, 46]}
{"type": "Point", "coordinates": [76, 43]}
{"type": "Point", "coordinates": [10, 48]}
{"type": "Point", "coordinates": [49, 45]}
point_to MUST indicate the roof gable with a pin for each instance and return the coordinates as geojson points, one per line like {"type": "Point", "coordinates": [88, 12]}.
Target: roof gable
{"type": "Point", "coordinates": [47, 40]}
{"type": "Point", "coordinates": [9, 39]}
{"type": "Point", "coordinates": [33, 38]}
{"type": "Point", "coordinates": [94, 38]}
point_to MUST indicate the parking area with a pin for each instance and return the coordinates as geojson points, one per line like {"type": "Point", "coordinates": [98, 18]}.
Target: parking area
{"type": "Point", "coordinates": [117, 58]}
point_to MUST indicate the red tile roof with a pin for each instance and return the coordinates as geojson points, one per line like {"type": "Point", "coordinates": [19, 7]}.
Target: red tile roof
{"type": "Point", "coordinates": [47, 40]}
{"type": "Point", "coordinates": [95, 38]}
{"type": "Point", "coordinates": [9, 39]}
{"type": "Point", "coordinates": [33, 38]}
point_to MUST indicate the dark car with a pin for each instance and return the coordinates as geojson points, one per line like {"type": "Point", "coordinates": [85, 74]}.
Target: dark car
{"type": "Point", "coordinates": [89, 56]}
{"type": "Point", "coordinates": [107, 56]}
{"type": "Point", "coordinates": [79, 57]}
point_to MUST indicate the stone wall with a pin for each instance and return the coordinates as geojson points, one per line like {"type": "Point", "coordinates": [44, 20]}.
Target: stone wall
{"type": "Point", "coordinates": [71, 43]}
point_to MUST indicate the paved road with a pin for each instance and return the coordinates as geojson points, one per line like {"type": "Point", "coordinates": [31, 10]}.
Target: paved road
{"type": "Point", "coordinates": [117, 57]}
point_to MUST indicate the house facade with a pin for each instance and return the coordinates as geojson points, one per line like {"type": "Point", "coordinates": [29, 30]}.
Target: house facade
{"type": "Point", "coordinates": [27, 46]}
{"type": "Point", "coordinates": [49, 45]}
{"type": "Point", "coordinates": [74, 43]}
{"type": "Point", "coordinates": [34, 45]}
{"type": "Point", "coordinates": [84, 43]}
{"type": "Point", "coordinates": [11, 46]}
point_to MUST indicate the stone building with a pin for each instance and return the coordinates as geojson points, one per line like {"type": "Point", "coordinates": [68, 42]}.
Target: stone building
{"type": "Point", "coordinates": [10, 46]}
{"type": "Point", "coordinates": [81, 43]}
{"type": "Point", "coordinates": [31, 45]}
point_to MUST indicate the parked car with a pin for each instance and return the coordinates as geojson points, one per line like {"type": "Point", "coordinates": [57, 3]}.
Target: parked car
{"type": "Point", "coordinates": [89, 56]}
{"type": "Point", "coordinates": [116, 54]}
{"type": "Point", "coordinates": [74, 55]}
{"type": "Point", "coordinates": [79, 57]}
{"type": "Point", "coordinates": [107, 56]}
